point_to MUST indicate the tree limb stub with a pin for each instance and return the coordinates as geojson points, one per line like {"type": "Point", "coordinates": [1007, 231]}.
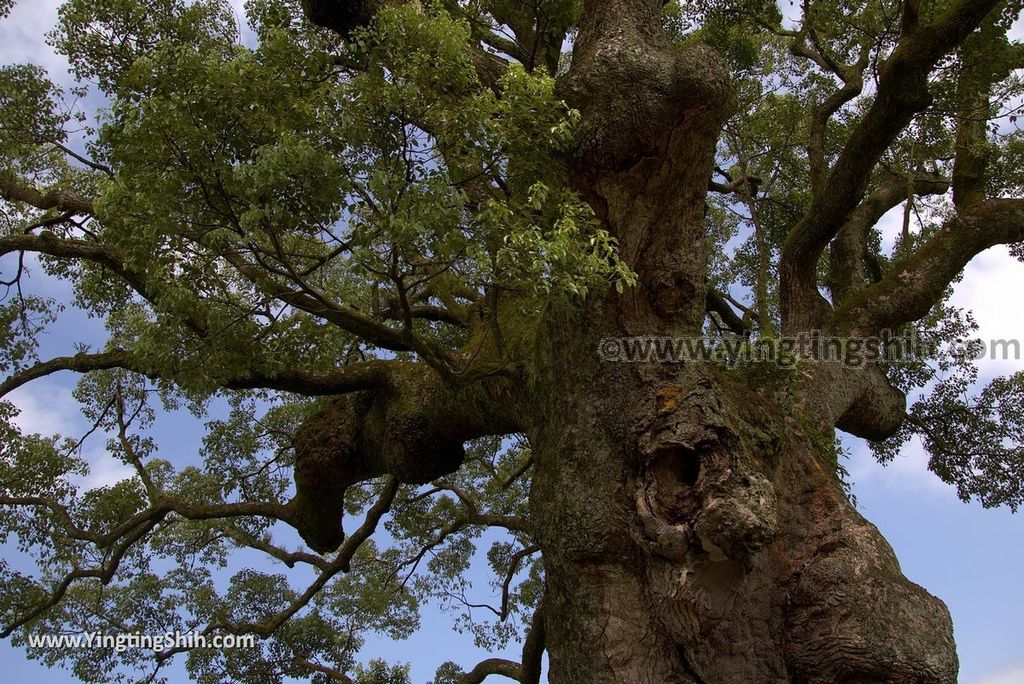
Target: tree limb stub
{"type": "Point", "coordinates": [66, 200]}
{"type": "Point", "coordinates": [413, 429]}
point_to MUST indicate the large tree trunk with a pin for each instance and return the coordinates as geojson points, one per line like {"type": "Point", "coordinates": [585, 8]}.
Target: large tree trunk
{"type": "Point", "coordinates": [693, 531]}
{"type": "Point", "coordinates": [692, 525]}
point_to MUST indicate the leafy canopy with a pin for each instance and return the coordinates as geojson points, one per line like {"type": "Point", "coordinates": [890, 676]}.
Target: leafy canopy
{"type": "Point", "coordinates": [238, 210]}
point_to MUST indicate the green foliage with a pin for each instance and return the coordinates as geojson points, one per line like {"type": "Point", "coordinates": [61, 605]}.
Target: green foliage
{"type": "Point", "coordinates": [374, 175]}
{"type": "Point", "coordinates": [103, 39]}
{"type": "Point", "coordinates": [277, 156]}
{"type": "Point", "coordinates": [973, 436]}
{"type": "Point", "coordinates": [29, 105]}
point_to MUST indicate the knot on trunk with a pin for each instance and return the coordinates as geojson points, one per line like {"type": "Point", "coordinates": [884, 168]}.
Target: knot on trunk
{"type": "Point", "coordinates": [673, 291]}
{"type": "Point", "coordinates": [632, 93]}
{"type": "Point", "coordinates": [701, 499]}
{"type": "Point", "coordinates": [701, 505]}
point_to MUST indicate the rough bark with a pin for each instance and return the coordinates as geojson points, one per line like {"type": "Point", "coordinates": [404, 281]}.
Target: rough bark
{"type": "Point", "coordinates": [693, 531]}
{"type": "Point", "coordinates": [692, 526]}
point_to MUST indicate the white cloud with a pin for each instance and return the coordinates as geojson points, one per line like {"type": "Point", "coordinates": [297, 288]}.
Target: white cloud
{"type": "Point", "coordinates": [1013, 675]}
{"type": "Point", "coordinates": [907, 473]}
{"type": "Point", "coordinates": [992, 286]}
{"type": "Point", "coordinates": [21, 35]}
{"type": "Point", "coordinates": [48, 408]}
{"type": "Point", "coordinates": [890, 226]}
{"type": "Point", "coordinates": [104, 470]}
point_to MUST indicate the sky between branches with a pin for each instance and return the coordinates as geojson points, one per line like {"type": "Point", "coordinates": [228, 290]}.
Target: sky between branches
{"type": "Point", "coordinates": [967, 556]}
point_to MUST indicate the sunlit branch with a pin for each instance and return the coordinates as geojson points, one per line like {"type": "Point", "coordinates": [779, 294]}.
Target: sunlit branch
{"type": "Point", "coordinates": [851, 259]}
{"type": "Point", "coordinates": [66, 200]}
{"type": "Point", "coordinates": [80, 363]}
{"type": "Point", "coordinates": [748, 183]}
{"type": "Point", "coordinates": [352, 378]}
{"type": "Point", "coordinates": [902, 93]}
{"type": "Point", "coordinates": [492, 666]}
{"type": "Point", "coordinates": [914, 285]}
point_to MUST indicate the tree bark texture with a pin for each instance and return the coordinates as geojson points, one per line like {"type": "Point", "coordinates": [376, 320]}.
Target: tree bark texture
{"type": "Point", "coordinates": [692, 525]}
{"type": "Point", "coordinates": [694, 531]}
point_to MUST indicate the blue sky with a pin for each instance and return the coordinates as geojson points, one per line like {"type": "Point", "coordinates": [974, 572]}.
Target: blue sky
{"type": "Point", "coordinates": [969, 557]}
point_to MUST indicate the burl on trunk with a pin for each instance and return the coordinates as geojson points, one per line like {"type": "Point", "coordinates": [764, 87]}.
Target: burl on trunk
{"type": "Point", "coordinates": [691, 523]}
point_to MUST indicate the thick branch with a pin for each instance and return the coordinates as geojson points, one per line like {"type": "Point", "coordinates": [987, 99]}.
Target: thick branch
{"type": "Point", "coordinates": [366, 375]}
{"type": "Point", "coordinates": [48, 243]}
{"type": "Point", "coordinates": [426, 312]}
{"type": "Point", "coordinates": [80, 363]}
{"type": "Point", "coordinates": [853, 263]}
{"type": "Point", "coordinates": [915, 284]}
{"type": "Point", "coordinates": [413, 429]}
{"type": "Point", "coordinates": [852, 77]}
{"type": "Point", "coordinates": [741, 184]}
{"type": "Point", "coordinates": [716, 303]}
{"type": "Point", "coordinates": [356, 377]}
{"type": "Point", "coordinates": [902, 93]}
{"type": "Point", "coordinates": [62, 199]}
{"type": "Point", "coordinates": [92, 252]}
{"type": "Point", "coordinates": [491, 666]}
{"type": "Point", "coordinates": [987, 58]}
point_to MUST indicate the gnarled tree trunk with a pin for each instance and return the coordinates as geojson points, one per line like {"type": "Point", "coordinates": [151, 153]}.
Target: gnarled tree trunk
{"type": "Point", "coordinates": [694, 531]}
{"type": "Point", "coordinates": [692, 526]}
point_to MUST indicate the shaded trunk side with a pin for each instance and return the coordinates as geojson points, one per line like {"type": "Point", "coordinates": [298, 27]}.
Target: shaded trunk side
{"type": "Point", "coordinates": [693, 531]}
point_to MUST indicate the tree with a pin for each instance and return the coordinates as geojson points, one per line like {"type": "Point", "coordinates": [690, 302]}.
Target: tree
{"type": "Point", "coordinates": [410, 242]}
